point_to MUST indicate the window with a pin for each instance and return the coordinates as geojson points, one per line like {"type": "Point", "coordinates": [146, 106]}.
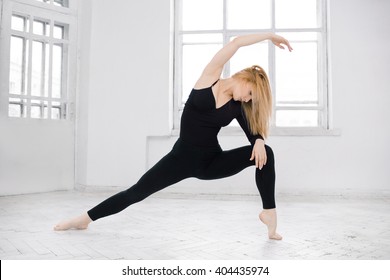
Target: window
{"type": "Point", "coordinates": [39, 53]}
{"type": "Point", "coordinates": [60, 3]}
{"type": "Point", "coordinates": [298, 79]}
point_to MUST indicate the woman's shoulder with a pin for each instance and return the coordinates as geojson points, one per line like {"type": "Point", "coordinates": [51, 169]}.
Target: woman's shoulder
{"type": "Point", "coordinates": [199, 86]}
{"type": "Point", "coordinates": [206, 80]}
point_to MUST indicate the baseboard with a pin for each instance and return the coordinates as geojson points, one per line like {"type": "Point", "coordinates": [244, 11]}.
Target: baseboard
{"type": "Point", "coordinates": [212, 194]}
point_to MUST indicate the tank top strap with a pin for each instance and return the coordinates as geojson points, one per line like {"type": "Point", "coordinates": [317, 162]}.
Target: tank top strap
{"type": "Point", "coordinates": [214, 83]}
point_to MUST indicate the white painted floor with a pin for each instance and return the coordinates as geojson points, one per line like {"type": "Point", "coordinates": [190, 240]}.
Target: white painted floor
{"type": "Point", "coordinates": [167, 226]}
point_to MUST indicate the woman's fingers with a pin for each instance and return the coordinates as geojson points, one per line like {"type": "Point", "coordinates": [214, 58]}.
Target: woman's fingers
{"type": "Point", "coordinates": [261, 160]}
{"type": "Point", "coordinates": [259, 155]}
{"type": "Point", "coordinates": [287, 43]}
{"type": "Point", "coordinates": [280, 40]}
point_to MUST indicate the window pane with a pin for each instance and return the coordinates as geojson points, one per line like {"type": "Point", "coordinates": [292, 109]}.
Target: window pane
{"type": "Point", "coordinates": [18, 23]}
{"type": "Point", "coordinates": [47, 62]}
{"type": "Point", "coordinates": [38, 27]}
{"type": "Point", "coordinates": [248, 14]}
{"type": "Point", "coordinates": [47, 29]}
{"type": "Point", "coordinates": [37, 69]}
{"type": "Point", "coordinates": [56, 111]}
{"type": "Point", "coordinates": [202, 14]}
{"type": "Point", "coordinates": [16, 82]}
{"type": "Point", "coordinates": [39, 109]}
{"type": "Point", "coordinates": [61, 3]}
{"type": "Point", "coordinates": [195, 58]}
{"type": "Point", "coordinates": [297, 118]}
{"type": "Point", "coordinates": [57, 71]}
{"type": "Point", "coordinates": [202, 38]}
{"type": "Point", "coordinates": [251, 55]}
{"type": "Point", "coordinates": [296, 74]}
{"type": "Point", "coordinates": [296, 14]}
{"type": "Point", "coordinates": [36, 109]}
{"type": "Point", "coordinates": [41, 28]}
{"type": "Point", "coordinates": [300, 36]}
{"type": "Point", "coordinates": [58, 32]}
{"type": "Point", "coordinates": [17, 107]}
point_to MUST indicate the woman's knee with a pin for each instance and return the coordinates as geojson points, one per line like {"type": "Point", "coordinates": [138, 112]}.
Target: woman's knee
{"type": "Point", "coordinates": [135, 194]}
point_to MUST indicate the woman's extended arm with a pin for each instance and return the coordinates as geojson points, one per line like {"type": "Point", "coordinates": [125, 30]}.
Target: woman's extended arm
{"type": "Point", "coordinates": [214, 68]}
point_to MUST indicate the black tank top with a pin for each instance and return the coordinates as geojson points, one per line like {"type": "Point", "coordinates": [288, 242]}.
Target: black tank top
{"type": "Point", "coordinates": [201, 121]}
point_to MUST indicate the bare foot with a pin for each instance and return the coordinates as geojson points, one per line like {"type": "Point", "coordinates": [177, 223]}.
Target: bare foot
{"type": "Point", "coordinates": [80, 222]}
{"type": "Point", "coordinates": [268, 217]}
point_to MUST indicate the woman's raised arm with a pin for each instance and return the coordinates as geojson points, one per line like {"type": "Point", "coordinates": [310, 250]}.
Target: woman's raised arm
{"type": "Point", "coordinates": [214, 68]}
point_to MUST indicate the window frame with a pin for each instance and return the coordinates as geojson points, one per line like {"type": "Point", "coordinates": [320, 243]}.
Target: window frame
{"type": "Point", "coordinates": [324, 109]}
{"type": "Point", "coordinates": [57, 15]}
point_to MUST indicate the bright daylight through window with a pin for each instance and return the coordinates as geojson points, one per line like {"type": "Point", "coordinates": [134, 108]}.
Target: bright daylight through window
{"type": "Point", "coordinates": [298, 79]}
{"type": "Point", "coordinates": [39, 52]}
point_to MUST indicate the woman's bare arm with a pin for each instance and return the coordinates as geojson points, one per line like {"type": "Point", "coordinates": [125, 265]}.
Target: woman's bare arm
{"type": "Point", "coordinates": [214, 68]}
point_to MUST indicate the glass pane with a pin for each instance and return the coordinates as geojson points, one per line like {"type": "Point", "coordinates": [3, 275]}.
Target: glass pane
{"type": "Point", "coordinates": [37, 69]}
{"type": "Point", "coordinates": [58, 32]}
{"type": "Point", "coordinates": [36, 109]}
{"type": "Point", "coordinates": [57, 71]}
{"type": "Point", "coordinates": [251, 55]}
{"type": "Point", "coordinates": [195, 58]}
{"type": "Point", "coordinates": [298, 118]}
{"type": "Point", "coordinates": [300, 36]}
{"type": "Point", "coordinates": [47, 29]}
{"type": "Point", "coordinates": [18, 23]}
{"type": "Point", "coordinates": [14, 110]}
{"type": "Point", "coordinates": [16, 81]}
{"type": "Point", "coordinates": [202, 38]}
{"type": "Point", "coordinates": [45, 109]}
{"type": "Point", "coordinates": [296, 14]}
{"type": "Point", "coordinates": [296, 74]}
{"type": "Point", "coordinates": [202, 14]}
{"type": "Point", "coordinates": [39, 27]}
{"type": "Point", "coordinates": [17, 107]}
{"type": "Point", "coordinates": [56, 111]}
{"type": "Point", "coordinates": [61, 3]}
{"type": "Point", "coordinates": [47, 62]}
{"type": "Point", "coordinates": [248, 14]}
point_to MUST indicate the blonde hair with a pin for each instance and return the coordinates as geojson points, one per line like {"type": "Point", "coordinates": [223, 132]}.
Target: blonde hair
{"type": "Point", "coordinates": [258, 111]}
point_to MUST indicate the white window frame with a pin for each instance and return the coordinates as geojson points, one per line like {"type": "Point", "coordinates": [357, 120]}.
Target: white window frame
{"type": "Point", "coordinates": [325, 121]}
{"type": "Point", "coordinates": [55, 14]}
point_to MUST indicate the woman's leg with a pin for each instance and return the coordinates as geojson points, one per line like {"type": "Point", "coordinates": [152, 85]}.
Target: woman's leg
{"type": "Point", "coordinates": [231, 162]}
{"type": "Point", "coordinates": [167, 171]}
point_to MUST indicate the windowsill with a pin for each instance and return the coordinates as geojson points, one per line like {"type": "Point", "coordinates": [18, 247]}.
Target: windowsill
{"type": "Point", "coordinates": [287, 131]}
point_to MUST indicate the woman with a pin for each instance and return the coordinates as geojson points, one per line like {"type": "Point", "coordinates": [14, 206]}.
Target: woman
{"type": "Point", "coordinates": [213, 103]}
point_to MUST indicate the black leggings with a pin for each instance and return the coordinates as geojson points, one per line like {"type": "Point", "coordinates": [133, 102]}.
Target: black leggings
{"type": "Point", "coordinates": [185, 161]}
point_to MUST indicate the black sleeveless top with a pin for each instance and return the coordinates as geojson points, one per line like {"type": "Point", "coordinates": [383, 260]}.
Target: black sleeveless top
{"type": "Point", "coordinates": [201, 121]}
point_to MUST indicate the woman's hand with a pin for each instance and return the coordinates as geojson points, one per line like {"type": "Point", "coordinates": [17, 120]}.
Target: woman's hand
{"type": "Point", "coordinates": [279, 41]}
{"type": "Point", "coordinates": [259, 154]}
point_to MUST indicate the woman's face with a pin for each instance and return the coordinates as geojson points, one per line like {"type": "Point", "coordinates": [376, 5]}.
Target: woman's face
{"type": "Point", "coordinates": [242, 92]}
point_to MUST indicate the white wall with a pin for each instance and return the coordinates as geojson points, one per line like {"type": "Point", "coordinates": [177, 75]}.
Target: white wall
{"type": "Point", "coordinates": [124, 89]}
{"type": "Point", "coordinates": [126, 97]}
